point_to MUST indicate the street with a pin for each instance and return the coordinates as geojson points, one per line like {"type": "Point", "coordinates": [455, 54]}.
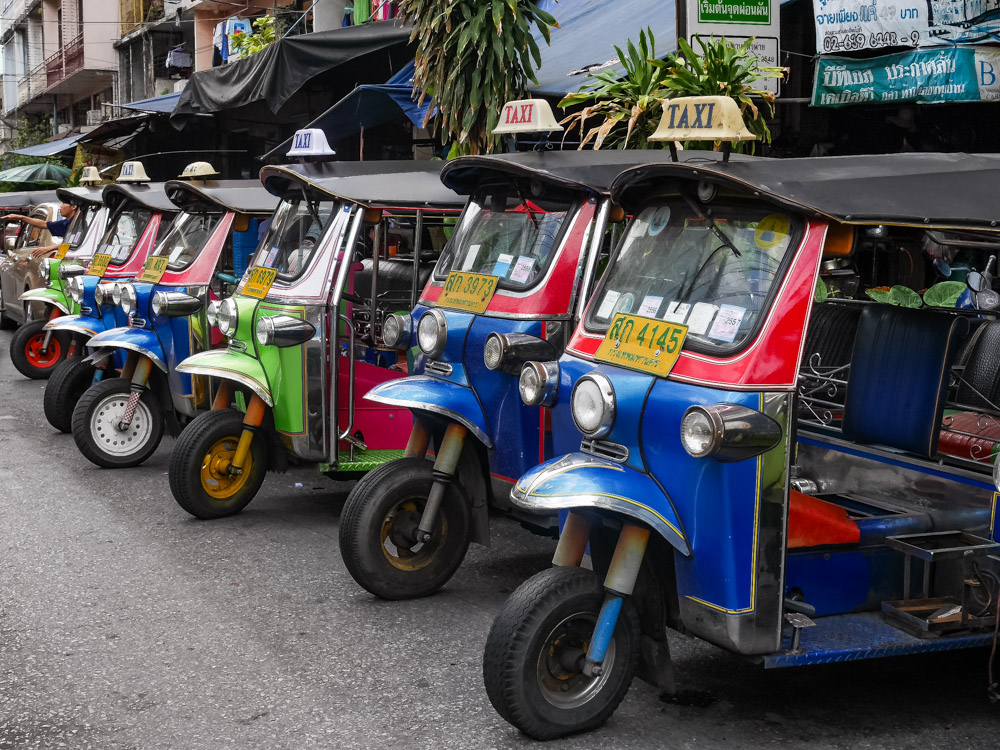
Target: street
{"type": "Point", "coordinates": [127, 624]}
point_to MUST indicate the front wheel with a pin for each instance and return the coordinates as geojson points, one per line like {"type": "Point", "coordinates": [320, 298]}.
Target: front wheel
{"type": "Point", "coordinates": [70, 380]}
{"type": "Point", "coordinates": [29, 354]}
{"type": "Point", "coordinates": [532, 664]}
{"type": "Point", "coordinates": [98, 431]}
{"type": "Point", "coordinates": [201, 479]}
{"type": "Point", "coordinates": [378, 531]}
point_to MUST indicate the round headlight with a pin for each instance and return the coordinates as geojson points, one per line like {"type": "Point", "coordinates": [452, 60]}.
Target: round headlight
{"type": "Point", "coordinates": [128, 298]}
{"type": "Point", "coordinates": [493, 351]}
{"type": "Point", "coordinates": [212, 312]}
{"type": "Point", "coordinates": [265, 331]}
{"type": "Point", "coordinates": [539, 383]}
{"type": "Point", "coordinates": [76, 289]}
{"type": "Point", "coordinates": [159, 303]}
{"type": "Point", "coordinates": [102, 293]}
{"type": "Point", "coordinates": [396, 331]}
{"type": "Point", "coordinates": [227, 317]}
{"type": "Point", "coordinates": [593, 405]}
{"type": "Point", "coordinates": [116, 294]}
{"type": "Point", "coordinates": [530, 384]}
{"type": "Point", "coordinates": [700, 435]}
{"type": "Point", "coordinates": [432, 333]}
{"type": "Point", "coordinates": [45, 268]}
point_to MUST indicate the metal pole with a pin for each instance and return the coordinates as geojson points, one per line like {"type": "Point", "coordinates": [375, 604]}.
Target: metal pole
{"type": "Point", "coordinates": [418, 243]}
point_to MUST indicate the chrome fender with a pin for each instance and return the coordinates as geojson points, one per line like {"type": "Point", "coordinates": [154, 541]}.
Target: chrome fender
{"type": "Point", "coordinates": [423, 393]}
{"type": "Point", "coordinates": [49, 296]}
{"type": "Point", "coordinates": [139, 340]}
{"type": "Point", "coordinates": [230, 365]}
{"type": "Point", "coordinates": [581, 481]}
{"type": "Point", "coordinates": [76, 324]}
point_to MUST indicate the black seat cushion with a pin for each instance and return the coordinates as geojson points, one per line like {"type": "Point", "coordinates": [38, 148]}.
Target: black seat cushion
{"type": "Point", "coordinates": [832, 328]}
{"type": "Point", "coordinates": [980, 383]}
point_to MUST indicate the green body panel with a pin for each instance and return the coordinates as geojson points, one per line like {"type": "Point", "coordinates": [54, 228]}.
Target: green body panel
{"type": "Point", "coordinates": [224, 363]}
{"type": "Point", "coordinates": [53, 297]}
{"type": "Point", "coordinates": [364, 460]}
{"type": "Point", "coordinates": [286, 371]}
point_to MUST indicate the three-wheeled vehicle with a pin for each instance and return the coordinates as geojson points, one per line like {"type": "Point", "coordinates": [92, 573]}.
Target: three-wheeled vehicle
{"type": "Point", "coordinates": [119, 421]}
{"type": "Point", "coordinates": [514, 278]}
{"type": "Point", "coordinates": [348, 244]}
{"type": "Point", "coordinates": [138, 210]}
{"type": "Point", "coordinates": [18, 269]}
{"type": "Point", "coordinates": [795, 482]}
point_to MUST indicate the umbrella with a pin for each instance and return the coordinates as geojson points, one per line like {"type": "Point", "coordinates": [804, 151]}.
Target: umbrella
{"type": "Point", "coordinates": [36, 173]}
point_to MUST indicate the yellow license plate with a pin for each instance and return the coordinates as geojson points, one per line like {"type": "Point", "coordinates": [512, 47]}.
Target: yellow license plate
{"type": "Point", "coordinates": [99, 264]}
{"type": "Point", "coordinates": [154, 269]}
{"type": "Point", "coordinates": [61, 252]}
{"type": "Point", "coordinates": [644, 344]}
{"type": "Point", "coordinates": [469, 292]}
{"type": "Point", "coordinates": [259, 282]}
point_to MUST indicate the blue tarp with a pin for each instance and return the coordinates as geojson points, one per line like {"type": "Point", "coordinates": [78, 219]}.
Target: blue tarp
{"type": "Point", "coordinates": [50, 148]}
{"type": "Point", "coordinates": [164, 104]}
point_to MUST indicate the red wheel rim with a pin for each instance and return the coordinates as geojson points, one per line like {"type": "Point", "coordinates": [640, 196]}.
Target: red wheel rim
{"type": "Point", "coordinates": [33, 351]}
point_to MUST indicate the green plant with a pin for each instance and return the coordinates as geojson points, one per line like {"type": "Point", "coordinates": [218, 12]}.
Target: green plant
{"type": "Point", "coordinates": [901, 296]}
{"type": "Point", "coordinates": [248, 44]}
{"type": "Point", "coordinates": [25, 134]}
{"type": "Point", "coordinates": [471, 57]}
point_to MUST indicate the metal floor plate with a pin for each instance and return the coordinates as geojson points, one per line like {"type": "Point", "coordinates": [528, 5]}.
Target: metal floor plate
{"type": "Point", "coordinates": [366, 460]}
{"type": "Point", "coordinates": [864, 636]}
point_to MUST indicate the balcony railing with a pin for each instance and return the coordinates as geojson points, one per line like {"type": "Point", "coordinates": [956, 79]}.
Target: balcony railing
{"type": "Point", "coordinates": [31, 85]}
{"type": "Point", "coordinates": [67, 60]}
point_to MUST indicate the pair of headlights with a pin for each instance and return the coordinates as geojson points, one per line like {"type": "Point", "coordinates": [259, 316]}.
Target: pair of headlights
{"type": "Point", "coordinates": [432, 332]}
{"type": "Point", "coordinates": [108, 293]}
{"type": "Point", "coordinates": [278, 330]}
{"type": "Point", "coordinates": [592, 403]}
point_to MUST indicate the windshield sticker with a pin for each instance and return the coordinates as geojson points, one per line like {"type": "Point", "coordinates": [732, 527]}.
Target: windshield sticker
{"type": "Point", "coordinates": [503, 264]}
{"type": "Point", "coordinates": [469, 292]}
{"type": "Point", "coordinates": [608, 305]}
{"type": "Point", "coordinates": [771, 231]}
{"type": "Point", "coordinates": [644, 344]}
{"type": "Point", "coordinates": [701, 318]}
{"type": "Point", "coordinates": [649, 306]}
{"type": "Point", "coordinates": [99, 264]}
{"type": "Point", "coordinates": [727, 323]}
{"type": "Point", "coordinates": [470, 259]}
{"type": "Point", "coordinates": [625, 303]}
{"type": "Point", "coordinates": [154, 268]}
{"type": "Point", "coordinates": [63, 249]}
{"type": "Point", "coordinates": [259, 282]}
{"type": "Point", "coordinates": [676, 312]}
{"type": "Point", "coordinates": [522, 269]}
{"type": "Point", "coordinates": [271, 255]}
{"type": "Point", "coordinates": [659, 220]}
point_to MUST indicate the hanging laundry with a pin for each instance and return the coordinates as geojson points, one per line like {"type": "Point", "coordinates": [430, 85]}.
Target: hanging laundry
{"type": "Point", "coordinates": [179, 58]}
{"type": "Point", "coordinates": [218, 41]}
{"type": "Point", "coordinates": [233, 26]}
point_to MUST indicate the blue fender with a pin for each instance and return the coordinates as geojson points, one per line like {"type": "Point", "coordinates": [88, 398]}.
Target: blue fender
{"type": "Point", "coordinates": [581, 481]}
{"type": "Point", "coordinates": [423, 393]}
{"type": "Point", "coordinates": [76, 324]}
{"type": "Point", "coordinates": [139, 340]}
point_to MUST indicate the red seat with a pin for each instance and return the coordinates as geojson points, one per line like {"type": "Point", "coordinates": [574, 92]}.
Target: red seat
{"type": "Point", "coordinates": [813, 523]}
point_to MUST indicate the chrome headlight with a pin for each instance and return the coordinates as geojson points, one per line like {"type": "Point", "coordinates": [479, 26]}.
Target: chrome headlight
{"type": "Point", "coordinates": [116, 294]}
{"type": "Point", "coordinates": [432, 333]}
{"type": "Point", "coordinates": [75, 287]}
{"type": "Point", "coordinates": [174, 304]}
{"type": "Point", "coordinates": [103, 294]}
{"type": "Point", "coordinates": [396, 331]}
{"type": "Point", "coordinates": [45, 269]}
{"type": "Point", "coordinates": [727, 432]}
{"type": "Point", "coordinates": [227, 316]}
{"type": "Point", "coordinates": [69, 270]}
{"type": "Point", "coordinates": [283, 330]}
{"type": "Point", "coordinates": [212, 312]}
{"type": "Point", "coordinates": [539, 383]}
{"type": "Point", "coordinates": [127, 298]}
{"type": "Point", "coordinates": [593, 405]}
{"type": "Point", "coordinates": [509, 351]}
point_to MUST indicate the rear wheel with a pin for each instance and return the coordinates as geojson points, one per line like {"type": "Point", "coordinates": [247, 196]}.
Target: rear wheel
{"type": "Point", "coordinates": [26, 350]}
{"type": "Point", "coordinates": [200, 477]}
{"type": "Point", "coordinates": [70, 379]}
{"type": "Point", "coordinates": [536, 649]}
{"type": "Point", "coordinates": [378, 531]}
{"type": "Point", "coordinates": [97, 425]}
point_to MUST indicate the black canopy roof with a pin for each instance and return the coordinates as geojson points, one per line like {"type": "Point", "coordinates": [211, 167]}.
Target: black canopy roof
{"type": "Point", "coordinates": [587, 170]}
{"type": "Point", "coordinates": [370, 183]}
{"type": "Point", "coordinates": [925, 189]}
{"type": "Point", "coordinates": [242, 196]}
{"type": "Point", "coordinates": [23, 199]}
{"type": "Point", "coordinates": [149, 194]}
{"type": "Point", "coordinates": [80, 195]}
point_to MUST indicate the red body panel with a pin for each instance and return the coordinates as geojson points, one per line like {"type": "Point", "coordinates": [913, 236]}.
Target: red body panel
{"type": "Point", "coordinates": [133, 266]}
{"type": "Point", "coordinates": [201, 271]}
{"type": "Point", "coordinates": [382, 426]}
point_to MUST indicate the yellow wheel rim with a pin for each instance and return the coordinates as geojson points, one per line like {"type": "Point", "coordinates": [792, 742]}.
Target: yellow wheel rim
{"type": "Point", "coordinates": [399, 551]}
{"type": "Point", "coordinates": [216, 480]}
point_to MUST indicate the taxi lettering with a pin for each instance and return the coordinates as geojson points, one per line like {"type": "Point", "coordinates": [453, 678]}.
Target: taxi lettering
{"type": "Point", "coordinates": [518, 114]}
{"type": "Point", "coordinates": [703, 114]}
{"type": "Point", "coordinates": [303, 140]}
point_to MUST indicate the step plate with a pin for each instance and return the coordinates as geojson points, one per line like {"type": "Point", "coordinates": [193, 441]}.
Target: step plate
{"type": "Point", "coordinates": [366, 460]}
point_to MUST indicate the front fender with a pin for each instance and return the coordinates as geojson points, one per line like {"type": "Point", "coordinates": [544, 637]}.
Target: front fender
{"type": "Point", "coordinates": [230, 365]}
{"type": "Point", "coordinates": [77, 324]}
{"type": "Point", "coordinates": [423, 393]}
{"type": "Point", "coordinates": [139, 340]}
{"type": "Point", "coordinates": [50, 296]}
{"type": "Point", "coordinates": [581, 481]}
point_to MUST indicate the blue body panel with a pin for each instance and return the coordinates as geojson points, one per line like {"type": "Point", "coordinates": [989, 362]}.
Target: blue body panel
{"type": "Point", "coordinates": [437, 396]}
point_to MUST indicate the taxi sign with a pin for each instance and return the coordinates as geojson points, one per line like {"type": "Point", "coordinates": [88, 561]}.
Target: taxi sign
{"type": "Point", "coordinates": [154, 268]}
{"type": "Point", "coordinates": [644, 344]}
{"type": "Point", "coordinates": [61, 252]}
{"type": "Point", "coordinates": [702, 118]}
{"type": "Point", "coordinates": [99, 265]}
{"type": "Point", "coordinates": [259, 281]}
{"type": "Point", "coordinates": [469, 292]}
{"type": "Point", "coordinates": [526, 116]}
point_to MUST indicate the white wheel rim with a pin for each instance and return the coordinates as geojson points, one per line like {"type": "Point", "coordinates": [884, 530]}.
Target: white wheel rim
{"type": "Point", "coordinates": [106, 417]}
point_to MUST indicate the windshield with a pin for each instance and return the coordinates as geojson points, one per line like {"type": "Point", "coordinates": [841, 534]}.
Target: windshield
{"type": "Point", "coordinates": [124, 230]}
{"type": "Point", "coordinates": [293, 236]}
{"type": "Point", "coordinates": [80, 223]}
{"type": "Point", "coordinates": [505, 236]}
{"type": "Point", "coordinates": [674, 265]}
{"type": "Point", "coordinates": [184, 240]}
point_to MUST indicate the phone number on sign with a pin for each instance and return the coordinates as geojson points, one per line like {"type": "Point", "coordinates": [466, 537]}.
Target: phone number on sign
{"type": "Point", "coordinates": [855, 40]}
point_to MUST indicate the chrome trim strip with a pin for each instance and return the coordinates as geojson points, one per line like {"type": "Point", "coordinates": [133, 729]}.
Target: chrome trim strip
{"type": "Point", "coordinates": [37, 295]}
{"type": "Point", "coordinates": [439, 368]}
{"type": "Point", "coordinates": [239, 377]}
{"type": "Point", "coordinates": [132, 348]}
{"type": "Point", "coordinates": [75, 327]}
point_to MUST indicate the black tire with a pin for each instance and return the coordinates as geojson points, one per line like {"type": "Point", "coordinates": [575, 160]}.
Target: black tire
{"type": "Point", "coordinates": [94, 431]}
{"type": "Point", "coordinates": [383, 508]}
{"type": "Point", "coordinates": [25, 352]}
{"type": "Point", "coordinates": [192, 480]}
{"type": "Point", "coordinates": [540, 622]}
{"type": "Point", "coordinates": [6, 323]}
{"type": "Point", "coordinates": [70, 380]}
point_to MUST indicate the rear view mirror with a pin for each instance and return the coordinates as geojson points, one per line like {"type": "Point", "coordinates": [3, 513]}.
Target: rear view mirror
{"type": "Point", "coordinates": [976, 281]}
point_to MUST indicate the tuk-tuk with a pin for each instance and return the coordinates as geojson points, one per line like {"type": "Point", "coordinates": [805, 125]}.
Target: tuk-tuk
{"type": "Point", "coordinates": [138, 211]}
{"type": "Point", "coordinates": [511, 284]}
{"type": "Point", "coordinates": [119, 421]}
{"type": "Point", "coordinates": [18, 269]}
{"type": "Point", "coordinates": [796, 482]}
{"type": "Point", "coordinates": [349, 243]}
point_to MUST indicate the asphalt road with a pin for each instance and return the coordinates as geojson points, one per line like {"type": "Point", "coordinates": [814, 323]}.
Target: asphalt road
{"type": "Point", "coordinates": [126, 624]}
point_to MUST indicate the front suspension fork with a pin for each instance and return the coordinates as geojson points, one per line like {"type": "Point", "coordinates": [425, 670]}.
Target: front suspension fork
{"type": "Point", "coordinates": [140, 380]}
{"type": "Point", "coordinates": [252, 421]}
{"type": "Point", "coordinates": [445, 465]}
{"type": "Point", "coordinates": [54, 313]}
{"type": "Point", "coordinates": [619, 582]}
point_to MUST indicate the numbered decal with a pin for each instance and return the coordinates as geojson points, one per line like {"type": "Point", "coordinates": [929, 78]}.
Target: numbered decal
{"type": "Point", "coordinates": [153, 270]}
{"type": "Point", "coordinates": [469, 292]}
{"type": "Point", "coordinates": [258, 282]}
{"type": "Point", "coordinates": [643, 344]}
{"type": "Point", "coordinates": [99, 265]}
{"type": "Point", "coordinates": [61, 252]}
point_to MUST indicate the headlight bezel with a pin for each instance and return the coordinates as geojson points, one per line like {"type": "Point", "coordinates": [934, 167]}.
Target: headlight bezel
{"type": "Point", "coordinates": [283, 330]}
{"type": "Point", "coordinates": [515, 349]}
{"type": "Point", "coordinates": [227, 317]}
{"type": "Point", "coordinates": [75, 287]}
{"type": "Point", "coordinates": [103, 293]}
{"type": "Point", "coordinates": [738, 432]}
{"type": "Point", "coordinates": [402, 335]}
{"type": "Point", "coordinates": [606, 397]}
{"type": "Point", "coordinates": [212, 312]}
{"type": "Point", "coordinates": [128, 299]}
{"type": "Point", "coordinates": [546, 376]}
{"type": "Point", "coordinates": [440, 333]}
{"type": "Point", "coordinates": [173, 304]}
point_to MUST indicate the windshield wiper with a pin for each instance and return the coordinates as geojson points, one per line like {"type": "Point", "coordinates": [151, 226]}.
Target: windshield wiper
{"type": "Point", "coordinates": [711, 225]}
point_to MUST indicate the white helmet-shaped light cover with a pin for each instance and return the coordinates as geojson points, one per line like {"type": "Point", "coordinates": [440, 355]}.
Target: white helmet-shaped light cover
{"type": "Point", "coordinates": [133, 171]}
{"type": "Point", "coordinates": [90, 176]}
{"type": "Point", "coordinates": [310, 142]}
{"type": "Point", "coordinates": [198, 170]}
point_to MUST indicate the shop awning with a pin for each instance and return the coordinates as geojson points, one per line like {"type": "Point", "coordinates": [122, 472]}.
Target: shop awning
{"type": "Point", "coordinates": [162, 104]}
{"type": "Point", "coordinates": [51, 148]}
{"type": "Point", "coordinates": [275, 74]}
